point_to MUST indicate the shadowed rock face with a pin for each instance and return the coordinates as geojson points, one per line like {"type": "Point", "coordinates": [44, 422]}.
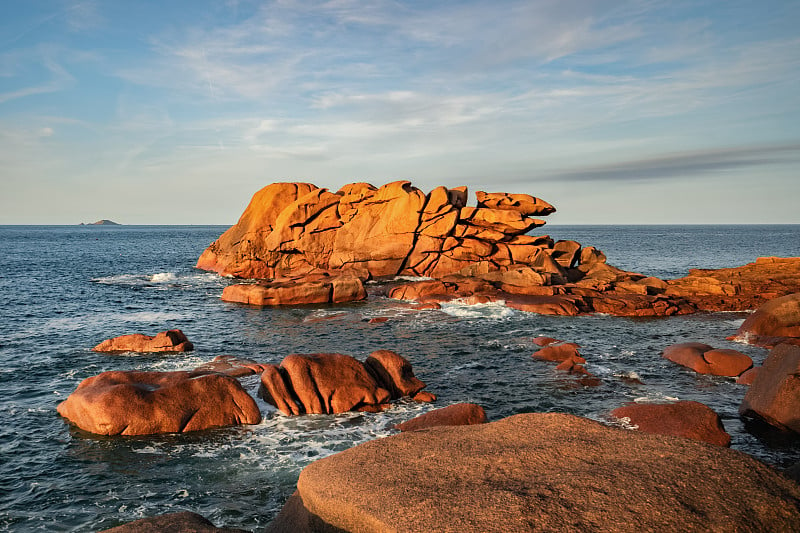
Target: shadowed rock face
{"type": "Point", "coordinates": [460, 414]}
{"type": "Point", "coordinates": [144, 403]}
{"type": "Point", "coordinates": [329, 383]}
{"type": "Point", "coordinates": [774, 322]}
{"type": "Point", "coordinates": [185, 522]}
{"type": "Point", "coordinates": [172, 340]}
{"type": "Point", "coordinates": [691, 420]}
{"type": "Point", "coordinates": [774, 395]}
{"type": "Point", "coordinates": [539, 472]}
{"type": "Point", "coordinates": [298, 228]}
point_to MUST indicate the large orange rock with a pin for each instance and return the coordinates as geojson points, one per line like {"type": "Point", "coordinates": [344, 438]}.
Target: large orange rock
{"type": "Point", "coordinates": [539, 472]}
{"type": "Point", "coordinates": [172, 340]}
{"type": "Point", "coordinates": [740, 288]}
{"type": "Point", "coordinates": [329, 383]}
{"type": "Point", "coordinates": [144, 403]}
{"type": "Point", "coordinates": [705, 359]}
{"type": "Point", "coordinates": [522, 203]}
{"type": "Point", "coordinates": [774, 322]}
{"type": "Point", "coordinates": [774, 395]}
{"type": "Point", "coordinates": [692, 420]}
{"type": "Point", "coordinates": [292, 229]}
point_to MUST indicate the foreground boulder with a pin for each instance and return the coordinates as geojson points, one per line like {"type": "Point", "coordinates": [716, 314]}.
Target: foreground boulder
{"type": "Point", "coordinates": [692, 420]}
{"type": "Point", "coordinates": [184, 522]}
{"type": "Point", "coordinates": [774, 395]}
{"type": "Point", "coordinates": [460, 414]}
{"type": "Point", "coordinates": [144, 403]}
{"type": "Point", "coordinates": [314, 289]}
{"type": "Point", "coordinates": [172, 340]}
{"type": "Point", "coordinates": [705, 359]}
{"type": "Point", "coordinates": [539, 472]}
{"type": "Point", "coordinates": [330, 383]}
{"type": "Point", "coordinates": [774, 322]}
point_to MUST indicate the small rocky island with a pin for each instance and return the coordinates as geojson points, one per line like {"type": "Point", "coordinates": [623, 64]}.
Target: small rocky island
{"type": "Point", "coordinates": [102, 222]}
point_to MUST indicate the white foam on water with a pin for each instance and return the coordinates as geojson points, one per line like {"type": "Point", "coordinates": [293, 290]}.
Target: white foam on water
{"type": "Point", "coordinates": [162, 280]}
{"type": "Point", "coordinates": [460, 309]}
{"type": "Point", "coordinates": [411, 278]}
{"type": "Point", "coordinates": [628, 375]}
{"type": "Point", "coordinates": [656, 397]}
{"type": "Point", "coordinates": [735, 323]}
{"type": "Point", "coordinates": [163, 277]}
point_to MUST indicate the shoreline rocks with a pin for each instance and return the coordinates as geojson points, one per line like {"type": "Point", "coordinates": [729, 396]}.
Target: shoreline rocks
{"type": "Point", "coordinates": [688, 419]}
{"type": "Point", "coordinates": [705, 359]}
{"type": "Point", "coordinates": [146, 403]}
{"type": "Point", "coordinates": [459, 414]}
{"type": "Point", "coordinates": [172, 341]}
{"type": "Point", "coordinates": [774, 395]}
{"type": "Point", "coordinates": [184, 521]}
{"type": "Point", "coordinates": [774, 322]}
{"type": "Point", "coordinates": [316, 289]}
{"type": "Point", "coordinates": [538, 472]}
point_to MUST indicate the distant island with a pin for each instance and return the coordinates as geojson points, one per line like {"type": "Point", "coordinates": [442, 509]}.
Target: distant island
{"type": "Point", "coordinates": [103, 222]}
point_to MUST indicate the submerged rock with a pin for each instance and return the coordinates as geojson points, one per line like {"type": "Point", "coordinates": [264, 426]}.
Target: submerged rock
{"type": "Point", "coordinates": [705, 359]}
{"type": "Point", "coordinates": [692, 420]}
{"type": "Point", "coordinates": [315, 289]}
{"type": "Point", "coordinates": [539, 472]}
{"type": "Point", "coordinates": [145, 403]}
{"type": "Point", "coordinates": [172, 340]}
{"type": "Point", "coordinates": [774, 395]}
{"type": "Point", "coordinates": [184, 522]}
{"type": "Point", "coordinates": [460, 414]}
{"type": "Point", "coordinates": [329, 383]}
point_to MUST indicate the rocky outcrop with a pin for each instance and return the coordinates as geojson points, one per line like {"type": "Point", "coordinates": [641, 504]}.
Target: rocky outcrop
{"type": "Point", "coordinates": [705, 359]}
{"type": "Point", "coordinates": [539, 472]}
{"type": "Point", "coordinates": [774, 395]}
{"type": "Point", "coordinates": [184, 522]}
{"type": "Point", "coordinates": [692, 420]}
{"type": "Point", "coordinates": [460, 414]}
{"type": "Point", "coordinates": [144, 403]}
{"type": "Point", "coordinates": [740, 288]}
{"type": "Point", "coordinates": [774, 322]}
{"type": "Point", "coordinates": [230, 365]}
{"type": "Point", "coordinates": [298, 228]}
{"type": "Point", "coordinates": [329, 383]}
{"type": "Point", "coordinates": [313, 289]}
{"type": "Point", "coordinates": [172, 340]}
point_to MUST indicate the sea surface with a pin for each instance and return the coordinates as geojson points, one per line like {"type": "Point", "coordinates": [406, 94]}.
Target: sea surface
{"type": "Point", "coordinates": [64, 289]}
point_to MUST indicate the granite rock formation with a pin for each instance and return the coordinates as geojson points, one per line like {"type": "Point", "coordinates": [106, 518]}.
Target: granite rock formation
{"type": "Point", "coordinates": [172, 341]}
{"type": "Point", "coordinates": [184, 522]}
{"type": "Point", "coordinates": [774, 395]}
{"type": "Point", "coordinates": [692, 420]}
{"type": "Point", "coordinates": [145, 403]}
{"type": "Point", "coordinates": [330, 383]}
{"type": "Point", "coordinates": [539, 472]}
{"type": "Point", "coordinates": [705, 359]}
{"type": "Point", "coordinates": [774, 322]}
{"type": "Point", "coordinates": [320, 288]}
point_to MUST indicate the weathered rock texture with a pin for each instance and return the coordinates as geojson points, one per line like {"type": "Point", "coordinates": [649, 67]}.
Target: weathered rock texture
{"type": "Point", "coordinates": [460, 414]}
{"type": "Point", "coordinates": [172, 340]}
{"type": "Point", "coordinates": [692, 420]}
{"type": "Point", "coordinates": [539, 472]}
{"type": "Point", "coordinates": [705, 359]}
{"type": "Point", "coordinates": [311, 289]}
{"type": "Point", "coordinates": [329, 383]}
{"type": "Point", "coordinates": [298, 228]}
{"type": "Point", "coordinates": [183, 522]}
{"type": "Point", "coordinates": [230, 365]}
{"type": "Point", "coordinates": [741, 288]}
{"type": "Point", "coordinates": [143, 403]}
{"type": "Point", "coordinates": [774, 395]}
{"type": "Point", "coordinates": [774, 322]}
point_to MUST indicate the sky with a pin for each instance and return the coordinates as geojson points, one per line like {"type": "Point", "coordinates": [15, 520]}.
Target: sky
{"type": "Point", "coordinates": [616, 112]}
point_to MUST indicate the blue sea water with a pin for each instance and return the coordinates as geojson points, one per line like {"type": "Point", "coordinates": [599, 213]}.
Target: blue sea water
{"type": "Point", "coordinates": [64, 289]}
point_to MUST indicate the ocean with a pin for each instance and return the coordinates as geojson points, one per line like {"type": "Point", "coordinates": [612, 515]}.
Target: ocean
{"type": "Point", "coordinates": [66, 288]}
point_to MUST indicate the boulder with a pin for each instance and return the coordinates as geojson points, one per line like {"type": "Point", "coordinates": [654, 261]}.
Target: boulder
{"type": "Point", "coordinates": [316, 289]}
{"type": "Point", "coordinates": [692, 420]}
{"type": "Point", "coordinates": [559, 352]}
{"type": "Point", "coordinates": [539, 472]}
{"type": "Point", "coordinates": [522, 203]}
{"type": "Point", "coordinates": [329, 383]}
{"type": "Point", "coordinates": [774, 322]}
{"type": "Point", "coordinates": [145, 403]}
{"type": "Point", "coordinates": [705, 359]}
{"type": "Point", "coordinates": [184, 521]}
{"type": "Point", "coordinates": [172, 341]}
{"type": "Point", "coordinates": [747, 377]}
{"type": "Point", "coordinates": [774, 395]}
{"type": "Point", "coordinates": [460, 414]}
{"type": "Point", "coordinates": [230, 365]}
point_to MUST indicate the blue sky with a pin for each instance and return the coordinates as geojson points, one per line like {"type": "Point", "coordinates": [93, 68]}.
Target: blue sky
{"type": "Point", "coordinates": [622, 112]}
